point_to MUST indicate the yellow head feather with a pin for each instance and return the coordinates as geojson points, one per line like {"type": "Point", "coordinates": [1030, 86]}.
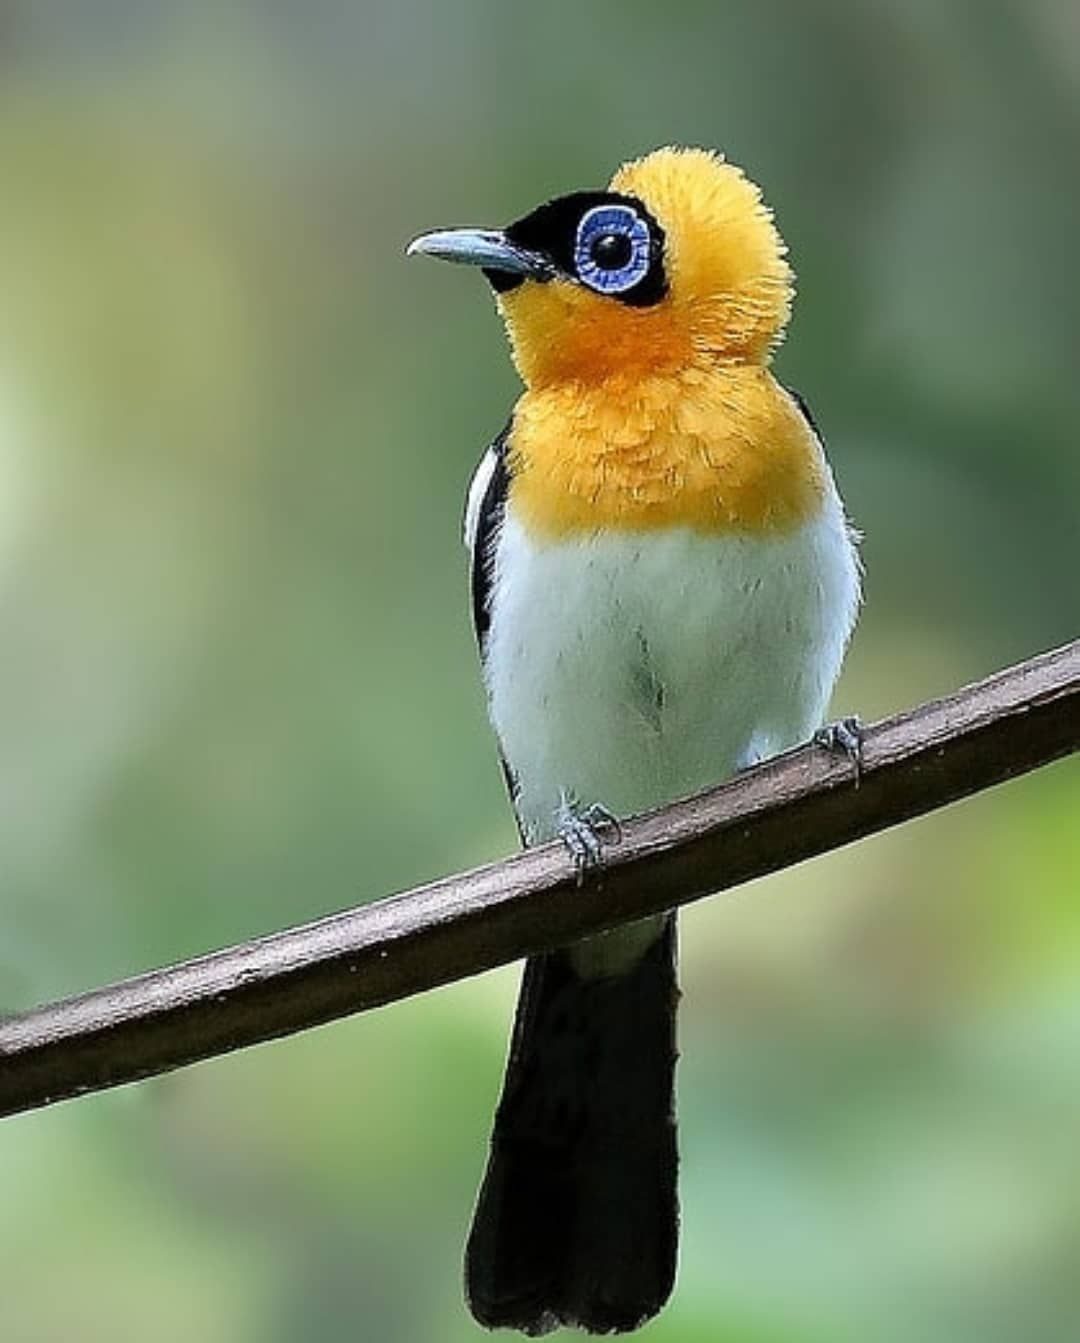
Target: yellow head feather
{"type": "Point", "coordinates": [729, 285]}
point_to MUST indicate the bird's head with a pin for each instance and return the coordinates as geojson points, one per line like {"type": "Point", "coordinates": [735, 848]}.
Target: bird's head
{"type": "Point", "coordinates": [678, 263]}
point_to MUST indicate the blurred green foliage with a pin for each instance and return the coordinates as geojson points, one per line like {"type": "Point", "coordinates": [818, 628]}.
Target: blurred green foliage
{"type": "Point", "coordinates": [237, 687]}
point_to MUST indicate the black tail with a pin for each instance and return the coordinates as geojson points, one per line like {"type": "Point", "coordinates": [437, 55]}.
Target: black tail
{"type": "Point", "coordinates": [577, 1219]}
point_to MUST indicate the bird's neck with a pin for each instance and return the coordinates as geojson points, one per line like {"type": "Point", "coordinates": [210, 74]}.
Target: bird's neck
{"type": "Point", "coordinates": [717, 449]}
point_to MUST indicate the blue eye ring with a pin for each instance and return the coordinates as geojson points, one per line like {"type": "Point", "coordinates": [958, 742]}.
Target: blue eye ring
{"type": "Point", "coordinates": [618, 222]}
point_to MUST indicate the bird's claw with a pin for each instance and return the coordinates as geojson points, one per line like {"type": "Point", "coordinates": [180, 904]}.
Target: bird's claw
{"type": "Point", "coordinates": [584, 832]}
{"type": "Point", "coordinates": [844, 737]}
{"type": "Point", "coordinates": [601, 820]}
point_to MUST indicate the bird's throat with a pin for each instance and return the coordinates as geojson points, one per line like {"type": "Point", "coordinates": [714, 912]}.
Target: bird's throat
{"type": "Point", "coordinates": [714, 449]}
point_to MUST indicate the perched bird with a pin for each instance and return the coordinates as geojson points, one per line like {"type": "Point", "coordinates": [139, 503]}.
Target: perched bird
{"type": "Point", "coordinates": [663, 587]}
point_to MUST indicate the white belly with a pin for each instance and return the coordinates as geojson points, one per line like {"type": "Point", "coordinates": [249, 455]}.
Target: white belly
{"type": "Point", "coordinates": [635, 668]}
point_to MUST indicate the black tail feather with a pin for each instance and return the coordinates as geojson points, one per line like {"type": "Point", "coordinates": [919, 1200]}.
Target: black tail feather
{"type": "Point", "coordinates": [577, 1218]}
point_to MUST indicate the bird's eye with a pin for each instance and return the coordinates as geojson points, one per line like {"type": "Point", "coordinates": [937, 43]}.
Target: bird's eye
{"type": "Point", "coordinates": [613, 249]}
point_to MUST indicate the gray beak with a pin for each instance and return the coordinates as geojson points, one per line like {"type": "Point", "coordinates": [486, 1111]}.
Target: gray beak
{"type": "Point", "coordinates": [481, 247]}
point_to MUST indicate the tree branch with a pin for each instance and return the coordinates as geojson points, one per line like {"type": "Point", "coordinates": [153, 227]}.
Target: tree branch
{"type": "Point", "coordinates": [788, 809]}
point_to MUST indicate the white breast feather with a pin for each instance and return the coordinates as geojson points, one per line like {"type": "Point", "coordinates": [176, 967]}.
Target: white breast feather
{"type": "Point", "coordinates": [634, 668]}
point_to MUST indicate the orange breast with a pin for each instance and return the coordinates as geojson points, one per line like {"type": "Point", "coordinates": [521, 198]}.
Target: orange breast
{"type": "Point", "coordinates": [716, 450]}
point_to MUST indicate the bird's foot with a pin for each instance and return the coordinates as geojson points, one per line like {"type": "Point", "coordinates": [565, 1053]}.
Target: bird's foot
{"type": "Point", "coordinates": [585, 831]}
{"type": "Point", "coordinates": [844, 737]}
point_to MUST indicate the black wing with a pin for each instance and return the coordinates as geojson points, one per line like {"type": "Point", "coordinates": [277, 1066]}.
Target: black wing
{"type": "Point", "coordinates": [483, 520]}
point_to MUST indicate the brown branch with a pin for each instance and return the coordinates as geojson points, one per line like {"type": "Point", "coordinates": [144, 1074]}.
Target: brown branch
{"type": "Point", "coordinates": [791, 808]}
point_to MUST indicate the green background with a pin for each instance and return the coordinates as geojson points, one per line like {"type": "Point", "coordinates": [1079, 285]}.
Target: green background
{"type": "Point", "coordinates": [238, 690]}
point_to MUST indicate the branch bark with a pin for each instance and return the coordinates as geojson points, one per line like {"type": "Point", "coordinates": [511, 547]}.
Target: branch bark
{"type": "Point", "coordinates": [791, 808]}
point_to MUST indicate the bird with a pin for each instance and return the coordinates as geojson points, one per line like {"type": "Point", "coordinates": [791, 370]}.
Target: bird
{"type": "Point", "coordinates": [664, 582]}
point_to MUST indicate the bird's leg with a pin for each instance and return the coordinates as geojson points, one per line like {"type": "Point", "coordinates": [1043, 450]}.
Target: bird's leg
{"type": "Point", "coordinates": [584, 831]}
{"type": "Point", "coordinates": [844, 737]}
